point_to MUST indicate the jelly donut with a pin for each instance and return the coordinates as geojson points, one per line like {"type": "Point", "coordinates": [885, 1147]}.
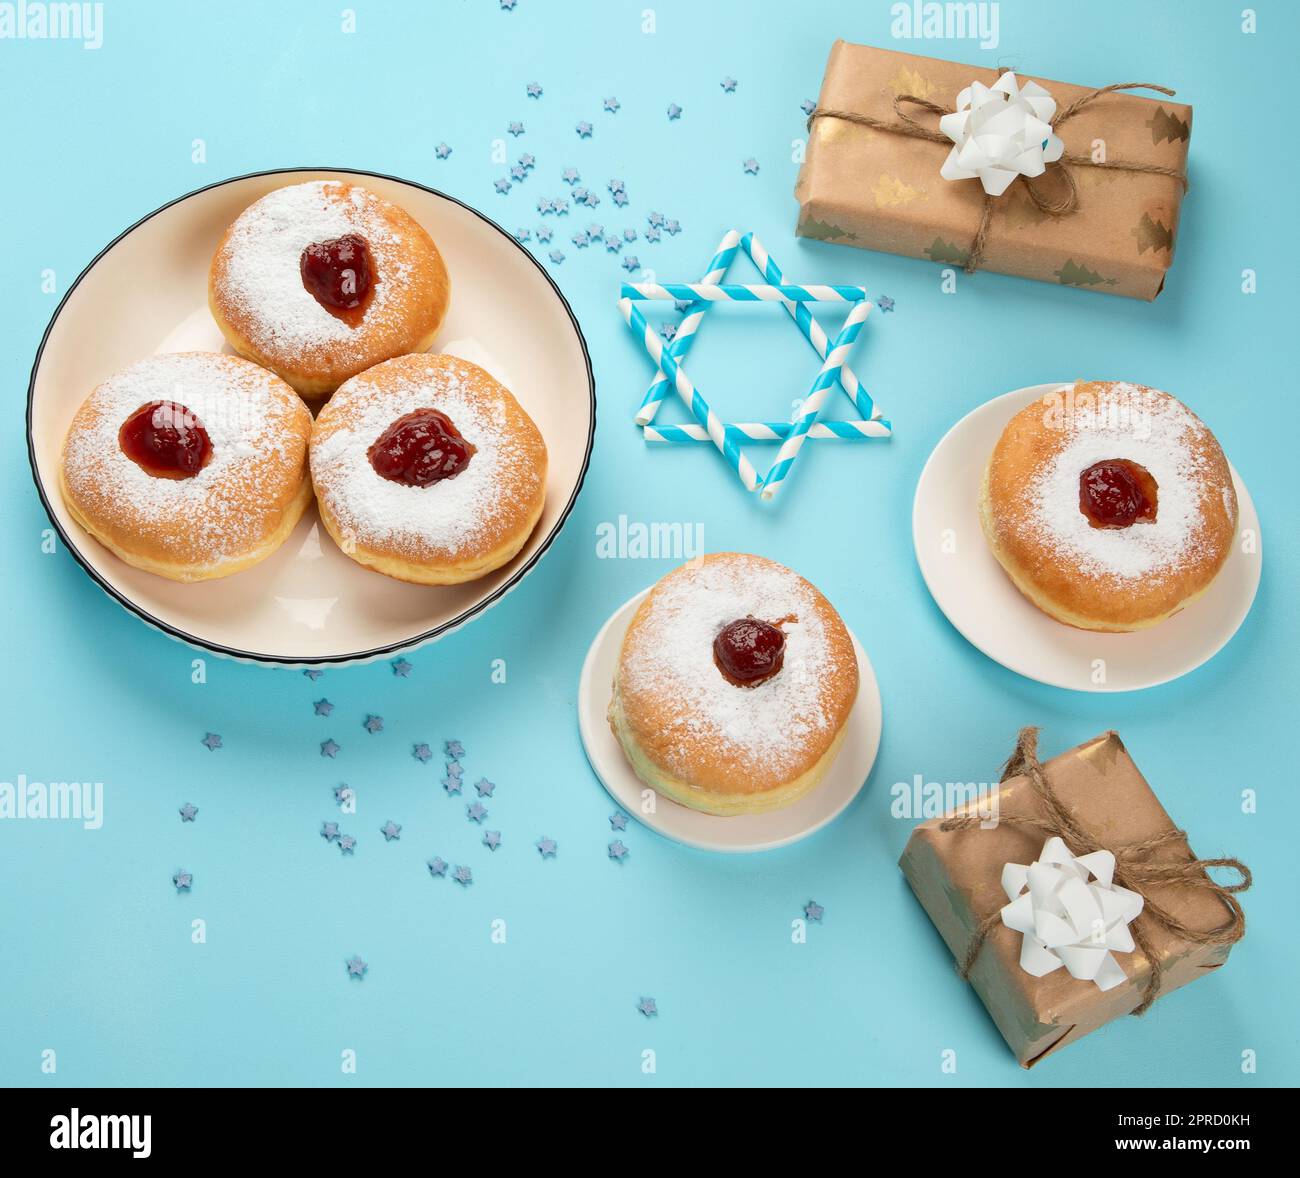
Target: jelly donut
{"type": "Point", "coordinates": [734, 684]}
{"type": "Point", "coordinates": [428, 470]}
{"type": "Point", "coordinates": [319, 281]}
{"type": "Point", "coordinates": [191, 465]}
{"type": "Point", "coordinates": [1109, 505]}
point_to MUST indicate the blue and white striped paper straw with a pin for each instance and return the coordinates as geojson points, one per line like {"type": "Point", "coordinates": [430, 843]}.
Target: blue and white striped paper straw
{"type": "Point", "coordinates": [698, 406]}
{"type": "Point", "coordinates": [741, 292]}
{"type": "Point", "coordinates": [768, 431]}
{"type": "Point", "coordinates": [690, 324]}
{"type": "Point", "coordinates": [812, 330]}
{"type": "Point", "coordinates": [813, 402]}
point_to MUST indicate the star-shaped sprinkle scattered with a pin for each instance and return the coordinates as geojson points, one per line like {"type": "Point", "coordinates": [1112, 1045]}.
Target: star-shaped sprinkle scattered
{"type": "Point", "coordinates": [518, 172]}
{"type": "Point", "coordinates": [653, 233]}
{"type": "Point", "coordinates": [560, 206]}
{"type": "Point", "coordinates": [581, 239]}
{"type": "Point", "coordinates": [455, 769]}
{"type": "Point", "coordinates": [668, 331]}
{"type": "Point", "coordinates": [492, 839]}
{"type": "Point", "coordinates": [655, 218]}
{"type": "Point", "coordinates": [422, 753]}
{"type": "Point", "coordinates": [751, 166]}
{"type": "Point", "coordinates": [522, 235]}
{"type": "Point", "coordinates": [613, 245]}
{"type": "Point", "coordinates": [463, 876]}
{"type": "Point", "coordinates": [648, 1007]}
{"type": "Point", "coordinates": [502, 185]}
{"type": "Point", "coordinates": [373, 724]}
{"type": "Point", "coordinates": [476, 812]}
{"type": "Point", "coordinates": [596, 231]}
{"type": "Point", "coordinates": [391, 830]}
{"type": "Point", "coordinates": [347, 844]}
{"type": "Point", "coordinates": [680, 305]}
{"type": "Point", "coordinates": [631, 262]}
{"type": "Point", "coordinates": [343, 793]}
{"type": "Point", "coordinates": [619, 198]}
{"type": "Point", "coordinates": [452, 784]}
{"type": "Point", "coordinates": [618, 821]}
{"type": "Point", "coordinates": [329, 831]}
{"type": "Point", "coordinates": [590, 199]}
{"type": "Point", "coordinates": [617, 850]}
{"type": "Point", "coordinates": [533, 90]}
{"type": "Point", "coordinates": [313, 673]}
{"type": "Point", "coordinates": [188, 811]}
{"type": "Point", "coordinates": [674, 112]}
{"type": "Point", "coordinates": [508, 5]}
{"type": "Point", "coordinates": [583, 129]}
{"type": "Point", "coordinates": [182, 881]}
{"type": "Point", "coordinates": [570, 175]}
{"type": "Point", "coordinates": [612, 105]}
{"type": "Point", "coordinates": [545, 233]}
{"type": "Point", "coordinates": [556, 256]}
{"type": "Point", "coordinates": [442, 151]}
{"type": "Point", "coordinates": [329, 748]}
{"type": "Point", "coordinates": [438, 867]}
{"type": "Point", "coordinates": [813, 911]}
{"type": "Point", "coordinates": [515, 128]}
{"type": "Point", "coordinates": [547, 847]}
{"type": "Point", "coordinates": [629, 235]}
{"type": "Point", "coordinates": [885, 303]}
{"type": "Point", "coordinates": [356, 967]}
{"type": "Point", "coordinates": [616, 186]}
{"type": "Point", "coordinates": [453, 748]}
{"type": "Point", "coordinates": [728, 85]}
{"type": "Point", "coordinates": [545, 205]}
{"type": "Point", "coordinates": [402, 669]}
{"type": "Point", "coordinates": [484, 787]}
{"type": "Point", "coordinates": [527, 160]}
{"type": "Point", "coordinates": [322, 707]}
{"type": "Point", "coordinates": [212, 742]}
{"type": "Point", "coordinates": [672, 228]}
{"type": "Point", "coordinates": [807, 106]}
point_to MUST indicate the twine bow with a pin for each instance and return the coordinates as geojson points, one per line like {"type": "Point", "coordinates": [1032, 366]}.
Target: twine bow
{"type": "Point", "coordinates": [1065, 202]}
{"type": "Point", "coordinates": [1134, 869]}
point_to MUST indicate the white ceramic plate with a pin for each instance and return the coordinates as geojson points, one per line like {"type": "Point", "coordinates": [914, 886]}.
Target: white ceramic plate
{"type": "Point", "coordinates": [742, 832]}
{"type": "Point", "coordinates": [147, 292]}
{"type": "Point", "coordinates": [979, 599]}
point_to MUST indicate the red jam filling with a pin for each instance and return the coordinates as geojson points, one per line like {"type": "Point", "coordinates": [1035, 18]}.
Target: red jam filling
{"type": "Point", "coordinates": [166, 440]}
{"type": "Point", "coordinates": [1117, 493]}
{"type": "Point", "coordinates": [420, 448]}
{"type": "Point", "coordinates": [338, 274]}
{"type": "Point", "coordinates": [748, 651]}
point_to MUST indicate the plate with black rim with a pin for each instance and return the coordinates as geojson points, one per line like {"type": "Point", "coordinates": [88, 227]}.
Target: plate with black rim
{"type": "Point", "coordinates": [308, 603]}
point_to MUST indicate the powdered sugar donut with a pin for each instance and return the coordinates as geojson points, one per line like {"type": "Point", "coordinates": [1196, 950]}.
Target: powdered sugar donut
{"type": "Point", "coordinates": [1110, 505]}
{"type": "Point", "coordinates": [734, 685]}
{"type": "Point", "coordinates": [428, 470]}
{"type": "Point", "coordinates": [318, 281]}
{"type": "Point", "coordinates": [191, 465]}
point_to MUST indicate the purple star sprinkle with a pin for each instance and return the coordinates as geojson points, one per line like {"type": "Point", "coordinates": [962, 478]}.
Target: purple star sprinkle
{"type": "Point", "coordinates": [583, 129]}
{"type": "Point", "coordinates": [653, 233]}
{"type": "Point", "coordinates": [455, 769]}
{"type": "Point", "coordinates": [516, 129]}
{"type": "Point", "coordinates": [442, 151]}
{"type": "Point", "coordinates": [476, 812]}
{"type": "Point", "coordinates": [356, 967]}
{"type": "Point", "coordinates": [545, 205]}
{"type": "Point", "coordinates": [347, 844]}
{"type": "Point", "coordinates": [463, 876]}
{"type": "Point", "coordinates": [373, 724]}
{"type": "Point", "coordinates": [813, 911]}
{"type": "Point", "coordinates": [618, 821]}
{"type": "Point", "coordinates": [556, 256]}
{"type": "Point", "coordinates": [596, 231]}
{"type": "Point", "coordinates": [648, 1007]}
{"type": "Point", "coordinates": [453, 748]}
{"type": "Point", "coordinates": [680, 305]}
{"type": "Point", "coordinates": [570, 175]}
{"type": "Point", "coordinates": [329, 831]}
{"type": "Point", "coordinates": [629, 235]}
{"type": "Point", "coordinates": [522, 235]}
{"type": "Point", "coordinates": [502, 185]}
{"type": "Point", "coordinates": [672, 228]}
{"type": "Point", "coordinates": [668, 331]}
{"type": "Point", "coordinates": [518, 172]}
{"type": "Point", "coordinates": [438, 867]}
{"type": "Point", "coordinates": [619, 198]}
{"type": "Point", "coordinates": [655, 218]}
{"type": "Point", "coordinates": [616, 186]}
{"type": "Point", "coordinates": [484, 787]}
{"type": "Point", "coordinates": [612, 105]}
{"type": "Point", "coordinates": [751, 166]}
{"type": "Point", "coordinates": [547, 847]}
{"type": "Point", "coordinates": [323, 707]}
{"type": "Point", "coordinates": [674, 112]}
{"type": "Point", "coordinates": [182, 881]}
{"type": "Point", "coordinates": [591, 200]}
{"type": "Point", "coordinates": [527, 160]}
{"type": "Point", "coordinates": [613, 245]}
{"type": "Point", "coordinates": [533, 90]}
{"type": "Point", "coordinates": [211, 742]}
{"type": "Point", "coordinates": [561, 207]}
{"type": "Point", "coordinates": [402, 669]}
{"type": "Point", "coordinates": [452, 785]}
{"type": "Point", "coordinates": [581, 239]}
{"type": "Point", "coordinates": [329, 748]}
{"type": "Point", "coordinates": [391, 830]}
{"type": "Point", "coordinates": [545, 233]}
{"type": "Point", "coordinates": [631, 262]}
{"type": "Point", "coordinates": [422, 753]}
{"type": "Point", "coordinates": [728, 85]}
{"type": "Point", "coordinates": [492, 839]}
{"type": "Point", "coordinates": [188, 811]}
{"type": "Point", "coordinates": [617, 851]}
{"type": "Point", "coordinates": [885, 303]}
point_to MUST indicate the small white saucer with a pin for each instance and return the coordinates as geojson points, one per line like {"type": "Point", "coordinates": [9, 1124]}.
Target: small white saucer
{"type": "Point", "coordinates": [743, 832]}
{"type": "Point", "coordinates": [969, 586]}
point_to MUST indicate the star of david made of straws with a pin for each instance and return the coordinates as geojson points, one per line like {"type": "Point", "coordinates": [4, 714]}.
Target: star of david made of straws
{"type": "Point", "coordinates": [727, 436]}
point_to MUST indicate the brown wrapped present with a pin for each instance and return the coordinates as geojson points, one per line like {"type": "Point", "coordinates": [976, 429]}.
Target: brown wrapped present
{"type": "Point", "coordinates": [1094, 799]}
{"type": "Point", "coordinates": [1103, 218]}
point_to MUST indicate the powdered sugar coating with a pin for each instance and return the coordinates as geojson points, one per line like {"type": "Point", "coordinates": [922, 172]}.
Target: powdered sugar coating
{"type": "Point", "coordinates": [466, 514]}
{"type": "Point", "coordinates": [677, 699]}
{"type": "Point", "coordinates": [258, 427]}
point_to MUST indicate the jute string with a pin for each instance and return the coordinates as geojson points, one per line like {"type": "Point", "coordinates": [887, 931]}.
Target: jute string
{"type": "Point", "coordinates": [1058, 174]}
{"type": "Point", "coordinates": [1133, 870]}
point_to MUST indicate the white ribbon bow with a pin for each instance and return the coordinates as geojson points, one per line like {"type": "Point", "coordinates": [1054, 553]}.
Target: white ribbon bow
{"type": "Point", "coordinates": [1067, 920]}
{"type": "Point", "coordinates": [1001, 132]}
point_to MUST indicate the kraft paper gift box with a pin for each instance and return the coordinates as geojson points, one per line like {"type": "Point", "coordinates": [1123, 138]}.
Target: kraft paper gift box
{"type": "Point", "coordinates": [957, 876]}
{"type": "Point", "coordinates": [881, 190]}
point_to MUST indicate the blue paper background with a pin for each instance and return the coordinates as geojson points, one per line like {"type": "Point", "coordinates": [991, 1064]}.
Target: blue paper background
{"type": "Point", "coordinates": [98, 960]}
